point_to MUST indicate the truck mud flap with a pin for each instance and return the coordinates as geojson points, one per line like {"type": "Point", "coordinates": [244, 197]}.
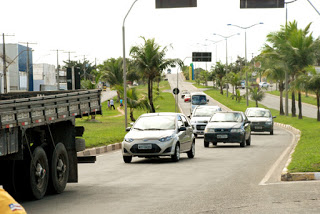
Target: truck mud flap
{"type": "Point", "coordinates": [87, 159]}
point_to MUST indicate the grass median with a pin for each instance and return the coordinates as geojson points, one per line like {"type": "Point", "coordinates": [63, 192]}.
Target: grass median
{"type": "Point", "coordinates": [110, 127]}
{"type": "Point", "coordinates": [306, 157]}
{"type": "Point", "coordinates": [310, 99]}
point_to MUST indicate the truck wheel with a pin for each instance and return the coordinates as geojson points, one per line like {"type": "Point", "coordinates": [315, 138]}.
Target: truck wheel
{"type": "Point", "coordinates": [59, 168]}
{"type": "Point", "coordinates": [80, 144]}
{"type": "Point", "coordinates": [38, 169]}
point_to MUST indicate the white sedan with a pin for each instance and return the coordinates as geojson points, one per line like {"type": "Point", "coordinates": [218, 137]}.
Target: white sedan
{"type": "Point", "coordinates": [264, 85]}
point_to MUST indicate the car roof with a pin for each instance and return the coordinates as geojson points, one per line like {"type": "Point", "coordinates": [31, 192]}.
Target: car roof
{"type": "Point", "coordinates": [229, 112]}
{"type": "Point", "coordinates": [257, 108]}
{"type": "Point", "coordinates": [201, 106]}
{"type": "Point", "coordinates": [198, 93]}
{"type": "Point", "coordinates": [160, 114]}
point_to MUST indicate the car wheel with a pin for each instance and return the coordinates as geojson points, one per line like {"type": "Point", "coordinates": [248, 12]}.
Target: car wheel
{"type": "Point", "coordinates": [248, 142]}
{"type": "Point", "coordinates": [176, 156]}
{"type": "Point", "coordinates": [214, 143]}
{"type": "Point", "coordinates": [271, 133]}
{"type": "Point", "coordinates": [206, 144]}
{"type": "Point", "coordinates": [195, 135]}
{"type": "Point", "coordinates": [243, 143]}
{"type": "Point", "coordinates": [192, 151]}
{"type": "Point", "coordinates": [127, 159]}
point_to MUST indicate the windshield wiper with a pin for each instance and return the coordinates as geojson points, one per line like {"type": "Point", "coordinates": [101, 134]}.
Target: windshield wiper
{"type": "Point", "coordinates": [139, 129]}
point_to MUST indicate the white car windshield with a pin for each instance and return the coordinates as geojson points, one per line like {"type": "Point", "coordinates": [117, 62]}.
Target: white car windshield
{"type": "Point", "coordinates": [160, 122]}
{"type": "Point", "coordinates": [226, 117]}
{"type": "Point", "coordinates": [258, 113]}
{"type": "Point", "coordinates": [205, 112]}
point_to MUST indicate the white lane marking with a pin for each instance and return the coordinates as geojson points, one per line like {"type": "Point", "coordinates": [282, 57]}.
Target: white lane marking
{"type": "Point", "coordinates": [273, 167]}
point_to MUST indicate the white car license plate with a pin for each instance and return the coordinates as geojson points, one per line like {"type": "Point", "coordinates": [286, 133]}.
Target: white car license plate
{"type": "Point", "coordinates": [258, 127]}
{"type": "Point", "coordinates": [145, 146]}
{"type": "Point", "coordinates": [222, 136]}
{"type": "Point", "coordinates": [202, 127]}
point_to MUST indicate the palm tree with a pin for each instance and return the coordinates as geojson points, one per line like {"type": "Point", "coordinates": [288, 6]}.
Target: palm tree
{"type": "Point", "coordinates": [314, 85]}
{"type": "Point", "coordinates": [134, 102]}
{"type": "Point", "coordinates": [256, 95]}
{"type": "Point", "coordinates": [220, 72]}
{"type": "Point", "coordinates": [296, 48]}
{"type": "Point", "coordinates": [150, 61]}
{"type": "Point", "coordinates": [275, 71]}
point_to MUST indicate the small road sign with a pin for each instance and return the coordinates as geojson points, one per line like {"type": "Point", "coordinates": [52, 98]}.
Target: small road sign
{"type": "Point", "coordinates": [176, 91]}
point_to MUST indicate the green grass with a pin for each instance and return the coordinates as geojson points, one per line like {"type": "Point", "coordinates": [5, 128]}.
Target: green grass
{"type": "Point", "coordinates": [310, 99]}
{"type": "Point", "coordinates": [111, 129]}
{"type": "Point", "coordinates": [306, 157]}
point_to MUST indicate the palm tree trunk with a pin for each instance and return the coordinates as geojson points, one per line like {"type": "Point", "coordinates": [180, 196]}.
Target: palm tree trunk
{"type": "Point", "coordinates": [150, 95]}
{"type": "Point", "coordinates": [293, 105]}
{"type": "Point", "coordinates": [281, 103]}
{"type": "Point", "coordinates": [256, 103]}
{"type": "Point", "coordinates": [299, 105]}
{"type": "Point", "coordinates": [221, 89]}
{"type": "Point", "coordinates": [318, 105]}
{"type": "Point", "coordinates": [131, 116]}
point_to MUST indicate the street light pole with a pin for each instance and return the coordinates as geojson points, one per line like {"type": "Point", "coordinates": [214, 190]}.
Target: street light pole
{"type": "Point", "coordinates": [5, 85]}
{"type": "Point", "coordinates": [124, 67]}
{"type": "Point", "coordinates": [245, 48]}
{"type": "Point", "coordinates": [226, 38]}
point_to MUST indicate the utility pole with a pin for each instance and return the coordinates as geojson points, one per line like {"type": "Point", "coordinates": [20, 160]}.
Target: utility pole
{"type": "Point", "coordinates": [58, 74]}
{"type": "Point", "coordinates": [5, 85]}
{"type": "Point", "coordinates": [69, 52]}
{"type": "Point", "coordinates": [28, 64]}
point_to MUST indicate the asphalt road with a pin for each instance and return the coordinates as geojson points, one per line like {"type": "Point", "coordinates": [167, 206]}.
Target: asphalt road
{"type": "Point", "coordinates": [223, 179]}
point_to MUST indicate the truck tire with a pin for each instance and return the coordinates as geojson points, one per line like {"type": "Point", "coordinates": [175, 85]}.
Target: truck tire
{"type": "Point", "coordinates": [80, 144]}
{"type": "Point", "coordinates": [38, 173]}
{"type": "Point", "coordinates": [59, 172]}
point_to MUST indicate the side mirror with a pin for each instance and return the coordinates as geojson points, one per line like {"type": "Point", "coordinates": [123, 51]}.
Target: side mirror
{"type": "Point", "coordinates": [189, 116]}
{"type": "Point", "coordinates": [182, 128]}
{"type": "Point", "coordinates": [274, 117]}
{"type": "Point", "coordinates": [207, 101]}
{"type": "Point", "coordinates": [128, 129]}
{"type": "Point", "coordinates": [248, 122]}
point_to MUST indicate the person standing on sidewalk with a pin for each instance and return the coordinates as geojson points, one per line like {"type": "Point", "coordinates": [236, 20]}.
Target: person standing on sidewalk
{"type": "Point", "coordinates": [112, 104]}
{"type": "Point", "coordinates": [109, 104]}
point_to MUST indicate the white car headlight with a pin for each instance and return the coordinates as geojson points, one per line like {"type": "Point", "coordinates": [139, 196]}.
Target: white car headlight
{"type": "Point", "coordinates": [164, 139]}
{"type": "Point", "coordinates": [236, 130]}
{"type": "Point", "coordinates": [209, 130]}
{"type": "Point", "coordinates": [129, 140]}
{"type": "Point", "coordinates": [268, 122]}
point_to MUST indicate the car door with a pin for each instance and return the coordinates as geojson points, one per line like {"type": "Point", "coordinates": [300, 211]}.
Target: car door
{"type": "Point", "coordinates": [188, 133]}
{"type": "Point", "coordinates": [181, 134]}
{"type": "Point", "coordinates": [246, 126]}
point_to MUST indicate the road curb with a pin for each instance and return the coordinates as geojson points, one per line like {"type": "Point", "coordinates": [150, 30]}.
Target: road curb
{"type": "Point", "coordinates": [99, 150]}
{"type": "Point", "coordinates": [296, 176]}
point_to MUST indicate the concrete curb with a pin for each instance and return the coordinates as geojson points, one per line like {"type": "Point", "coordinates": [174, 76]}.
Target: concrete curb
{"type": "Point", "coordinates": [297, 176]}
{"type": "Point", "coordinates": [99, 150]}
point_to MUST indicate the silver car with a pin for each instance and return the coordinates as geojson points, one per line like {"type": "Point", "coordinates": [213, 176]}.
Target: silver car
{"type": "Point", "coordinates": [200, 117]}
{"type": "Point", "coordinates": [261, 119]}
{"type": "Point", "coordinates": [159, 134]}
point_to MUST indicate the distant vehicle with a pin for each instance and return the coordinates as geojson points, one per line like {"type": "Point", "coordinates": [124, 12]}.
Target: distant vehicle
{"type": "Point", "coordinates": [264, 85]}
{"type": "Point", "coordinates": [169, 71]}
{"type": "Point", "coordinates": [243, 84]}
{"type": "Point", "coordinates": [261, 119]}
{"type": "Point", "coordinates": [200, 117]}
{"type": "Point", "coordinates": [198, 98]}
{"type": "Point", "coordinates": [159, 134]}
{"type": "Point", "coordinates": [184, 92]}
{"type": "Point", "coordinates": [228, 127]}
{"type": "Point", "coordinates": [187, 98]}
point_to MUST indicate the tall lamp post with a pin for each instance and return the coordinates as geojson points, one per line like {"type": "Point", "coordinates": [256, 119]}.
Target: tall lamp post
{"type": "Point", "coordinates": [245, 44]}
{"type": "Point", "coordinates": [215, 43]}
{"type": "Point", "coordinates": [226, 38]}
{"type": "Point", "coordinates": [124, 67]}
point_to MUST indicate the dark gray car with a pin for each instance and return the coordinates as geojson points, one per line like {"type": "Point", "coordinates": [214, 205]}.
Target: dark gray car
{"type": "Point", "coordinates": [228, 127]}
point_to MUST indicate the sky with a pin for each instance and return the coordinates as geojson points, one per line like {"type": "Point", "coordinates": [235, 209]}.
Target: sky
{"type": "Point", "coordinates": [93, 29]}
